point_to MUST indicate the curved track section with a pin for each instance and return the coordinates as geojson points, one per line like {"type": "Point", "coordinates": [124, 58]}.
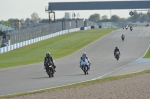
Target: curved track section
{"type": "Point", "coordinates": [33, 77]}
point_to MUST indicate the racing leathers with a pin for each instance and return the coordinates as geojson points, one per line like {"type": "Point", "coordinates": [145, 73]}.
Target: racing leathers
{"type": "Point", "coordinates": [48, 60]}
{"type": "Point", "coordinates": [116, 50]}
{"type": "Point", "coordinates": [85, 61]}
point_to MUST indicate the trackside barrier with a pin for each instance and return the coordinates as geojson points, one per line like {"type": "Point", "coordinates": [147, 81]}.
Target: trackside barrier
{"type": "Point", "coordinates": [24, 43]}
{"type": "Point", "coordinates": [85, 28]}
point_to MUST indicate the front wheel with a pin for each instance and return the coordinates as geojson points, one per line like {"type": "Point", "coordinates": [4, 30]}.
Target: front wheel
{"type": "Point", "coordinates": [51, 72]}
{"type": "Point", "coordinates": [85, 70]}
{"type": "Point", "coordinates": [117, 57]}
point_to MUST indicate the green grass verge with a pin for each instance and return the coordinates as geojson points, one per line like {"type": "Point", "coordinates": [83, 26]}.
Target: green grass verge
{"type": "Point", "coordinates": [78, 84]}
{"type": "Point", "coordinates": [147, 54]}
{"type": "Point", "coordinates": [59, 47]}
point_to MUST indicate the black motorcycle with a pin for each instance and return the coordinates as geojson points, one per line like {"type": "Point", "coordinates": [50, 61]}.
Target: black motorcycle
{"type": "Point", "coordinates": [122, 38]}
{"type": "Point", "coordinates": [131, 29]}
{"type": "Point", "coordinates": [49, 69]}
{"type": "Point", "coordinates": [117, 55]}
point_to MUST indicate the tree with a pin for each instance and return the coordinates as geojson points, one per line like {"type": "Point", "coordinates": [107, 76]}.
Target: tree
{"type": "Point", "coordinates": [115, 18]}
{"type": "Point", "coordinates": [35, 17]}
{"type": "Point", "coordinates": [45, 21]}
{"type": "Point", "coordinates": [11, 22]}
{"type": "Point", "coordinates": [16, 23]}
{"type": "Point", "coordinates": [145, 17]}
{"type": "Point", "coordinates": [28, 20]}
{"type": "Point", "coordinates": [122, 19]}
{"type": "Point", "coordinates": [2, 22]}
{"type": "Point", "coordinates": [148, 13]}
{"type": "Point", "coordinates": [22, 21]}
{"type": "Point", "coordinates": [136, 16]}
{"type": "Point", "coordinates": [94, 17]}
{"type": "Point", "coordinates": [104, 17]}
{"type": "Point", "coordinates": [7, 23]}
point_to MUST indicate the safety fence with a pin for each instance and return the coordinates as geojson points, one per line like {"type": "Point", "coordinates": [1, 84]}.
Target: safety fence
{"type": "Point", "coordinates": [34, 31]}
{"type": "Point", "coordinates": [37, 39]}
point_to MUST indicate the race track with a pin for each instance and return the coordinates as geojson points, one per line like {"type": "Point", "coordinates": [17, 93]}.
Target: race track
{"type": "Point", "coordinates": [33, 77]}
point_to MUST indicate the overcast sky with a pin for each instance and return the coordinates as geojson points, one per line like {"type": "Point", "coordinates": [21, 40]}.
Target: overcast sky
{"type": "Point", "coordinates": [23, 9]}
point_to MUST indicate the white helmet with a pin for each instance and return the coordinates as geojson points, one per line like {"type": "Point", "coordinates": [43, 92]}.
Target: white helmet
{"type": "Point", "coordinates": [84, 53]}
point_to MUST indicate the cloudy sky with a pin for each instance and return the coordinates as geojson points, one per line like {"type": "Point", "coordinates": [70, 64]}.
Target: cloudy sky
{"type": "Point", "coordinates": [23, 9]}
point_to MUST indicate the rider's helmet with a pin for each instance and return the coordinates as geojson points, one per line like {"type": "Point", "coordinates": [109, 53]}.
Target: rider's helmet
{"type": "Point", "coordinates": [84, 54]}
{"type": "Point", "coordinates": [116, 47]}
{"type": "Point", "coordinates": [47, 54]}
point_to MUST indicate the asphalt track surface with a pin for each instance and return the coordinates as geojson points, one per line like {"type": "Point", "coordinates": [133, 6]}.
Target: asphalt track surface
{"type": "Point", "coordinates": [33, 77]}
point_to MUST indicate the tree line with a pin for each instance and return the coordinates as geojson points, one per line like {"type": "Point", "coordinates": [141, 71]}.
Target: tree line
{"type": "Point", "coordinates": [16, 23]}
{"type": "Point", "coordinates": [21, 23]}
{"type": "Point", "coordinates": [115, 18]}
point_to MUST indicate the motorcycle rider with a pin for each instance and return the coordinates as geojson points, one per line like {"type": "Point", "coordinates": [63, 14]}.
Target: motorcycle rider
{"type": "Point", "coordinates": [126, 27]}
{"type": "Point", "coordinates": [85, 58]}
{"type": "Point", "coordinates": [122, 36]}
{"type": "Point", "coordinates": [131, 28]}
{"type": "Point", "coordinates": [47, 59]}
{"type": "Point", "coordinates": [116, 50]}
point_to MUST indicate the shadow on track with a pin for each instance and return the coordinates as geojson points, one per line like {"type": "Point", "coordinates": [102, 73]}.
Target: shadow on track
{"type": "Point", "coordinates": [76, 74]}
{"type": "Point", "coordinates": [40, 78]}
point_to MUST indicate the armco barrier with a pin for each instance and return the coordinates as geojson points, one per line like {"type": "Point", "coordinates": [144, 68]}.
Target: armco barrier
{"type": "Point", "coordinates": [1, 50]}
{"type": "Point", "coordinates": [85, 28]}
{"type": "Point", "coordinates": [24, 43]}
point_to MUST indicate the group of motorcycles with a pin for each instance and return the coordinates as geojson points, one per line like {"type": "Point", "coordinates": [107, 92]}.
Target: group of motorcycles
{"type": "Point", "coordinates": [126, 27]}
{"type": "Point", "coordinates": [117, 54]}
{"type": "Point", "coordinates": [85, 66]}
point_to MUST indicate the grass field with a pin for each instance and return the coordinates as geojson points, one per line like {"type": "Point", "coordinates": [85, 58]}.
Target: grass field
{"type": "Point", "coordinates": [147, 54]}
{"type": "Point", "coordinates": [59, 47]}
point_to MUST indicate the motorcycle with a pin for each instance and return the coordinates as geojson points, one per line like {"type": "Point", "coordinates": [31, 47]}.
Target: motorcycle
{"type": "Point", "coordinates": [131, 29]}
{"type": "Point", "coordinates": [50, 70]}
{"type": "Point", "coordinates": [127, 27]}
{"type": "Point", "coordinates": [85, 69]}
{"type": "Point", "coordinates": [85, 66]}
{"type": "Point", "coordinates": [117, 55]}
{"type": "Point", "coordinates": [122, 38]}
